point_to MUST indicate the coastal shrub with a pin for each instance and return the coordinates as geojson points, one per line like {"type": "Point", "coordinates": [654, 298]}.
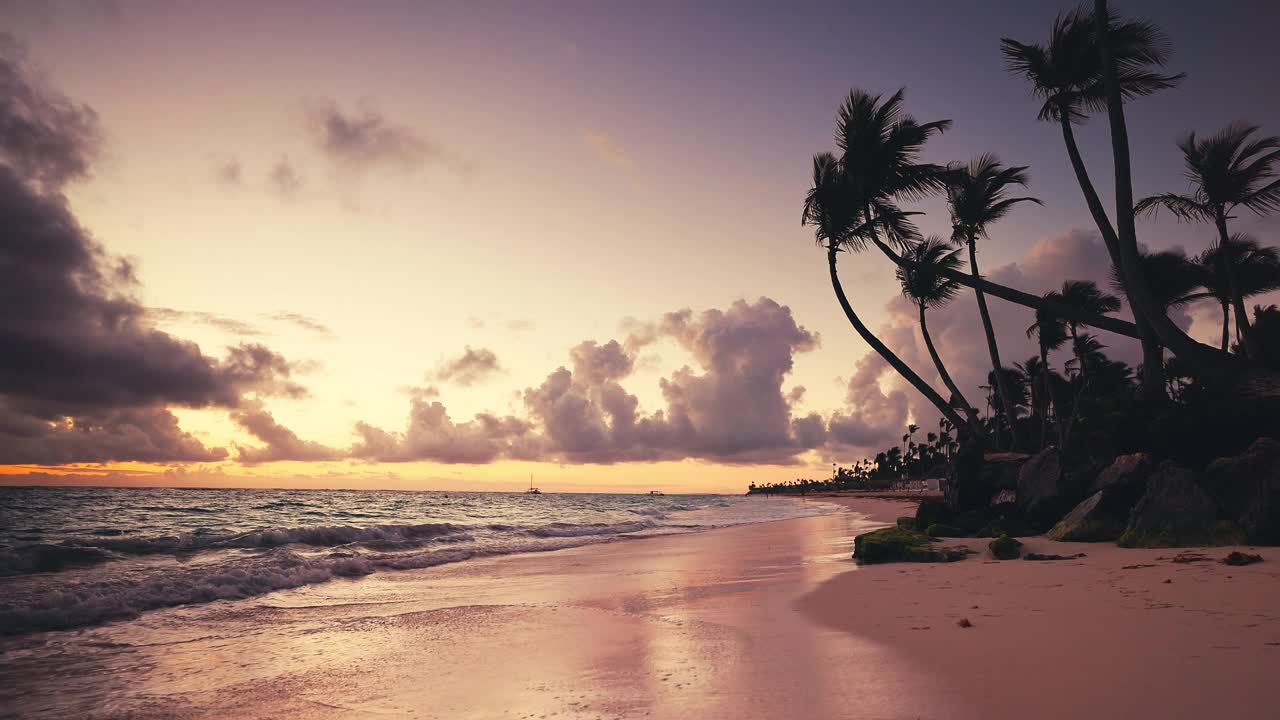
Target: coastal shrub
{"type": "Point", "coordinates": [1005, 548]}
{"type": "Point", "coordinates": [938, 530]}
{"type": "Point", "coordinates": [899, 544]}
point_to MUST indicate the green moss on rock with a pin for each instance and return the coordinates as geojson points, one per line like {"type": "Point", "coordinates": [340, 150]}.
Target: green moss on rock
{"type": "Point", "coordinates": [907, 522]}
{"type": "Point", "coordinates": [1005, 548]}
{"type": "Point", "coordinates": [900, 544]}
{"type": "Point", "coordinates": [938, 530]}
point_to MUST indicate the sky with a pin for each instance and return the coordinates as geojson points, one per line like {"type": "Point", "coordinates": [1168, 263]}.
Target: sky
{"type": "Point", "coordinates": [451, 245]}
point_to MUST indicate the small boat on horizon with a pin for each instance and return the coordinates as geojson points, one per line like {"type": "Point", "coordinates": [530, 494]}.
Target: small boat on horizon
{"type": "Point", "coordinates": [656, 492]}
{"type": "Point", "coordinates": [532, 490]}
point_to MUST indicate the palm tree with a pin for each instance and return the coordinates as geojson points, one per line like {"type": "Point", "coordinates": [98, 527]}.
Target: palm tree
{"type": "Point", "coordinates": [852, 200]}
{"type": "Point", "coordinates": [1172, 280]}
{"type": "Point", "coordinates": [1115, 66]}
{"type": "Point", "coordinates": [1085, 294]}
{"type": "Point", "coordinates": [923, 286]}
{"type": "Point", "coordinates": [978, 195]}
{"type": "Point", "coordinates": [1067, 75]}
{"type": "Point", "coordinates": [1230, 169]}
{"type": "Point", "coordinates": [1241, 267]}
{"type": "Point", "coordinates": [1051, 332]}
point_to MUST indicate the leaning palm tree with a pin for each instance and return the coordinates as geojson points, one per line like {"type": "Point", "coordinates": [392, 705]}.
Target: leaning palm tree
{"type": "Point", "coordinates": [1051, 332]}
{"type": "Point", "coordinates": [978, 195]}
{"type": "Point", "coordinates": [1067, 75]}
{"type": "Point", "coordinates": [926, 288]}
{"type": "Point", "coordinates": [836, 211]}
{"type": "Point", "coordinates": [1241, 266]}
{"type": "Point", "coordinates": [1230, 169]}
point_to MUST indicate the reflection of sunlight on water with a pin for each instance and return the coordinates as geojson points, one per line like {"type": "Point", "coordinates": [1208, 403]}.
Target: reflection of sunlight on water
{"type": "Point", "coordinates": [691, 626]}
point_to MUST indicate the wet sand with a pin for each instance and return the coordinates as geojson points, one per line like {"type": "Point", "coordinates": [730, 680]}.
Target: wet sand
{"type": "Point", "coordinates": [762, 621]}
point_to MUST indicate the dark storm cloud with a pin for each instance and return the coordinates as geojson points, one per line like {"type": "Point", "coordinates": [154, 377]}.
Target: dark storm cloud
{"type": "Point", "coordinates": [472, 367]}
{"type": "Point", "coordinates": [364, 138]}
{"type": "Point", "coordinates": [145, 434]}
{"type": "Point", "coordinates": [83, 373]}
{"type": "Point", "coordinates": [44, 137]}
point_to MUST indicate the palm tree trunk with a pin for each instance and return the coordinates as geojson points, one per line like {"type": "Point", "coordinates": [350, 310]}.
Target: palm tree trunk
{"type": "Point", "coordinates": [1233, 288]}
{"type": "Point", "coordinates": [1152, 353]}
{"type": "Point", "coordinates": [1045, 395]}
{"type": "Point", "coordinates": [946, 376]}
{"type": "Point", "coordinates": [1066, 311]}
{"type": "Point", "coordinates": [894, 361]}
{"type": "Point", "coordinates": [1002, 384]}
{"type": "Point", "coordinates": [1226, 327]}
{"type": "Point", "coordinates": [1084, 383]}
{"type": "Point", "coordinates": [1200, 359]}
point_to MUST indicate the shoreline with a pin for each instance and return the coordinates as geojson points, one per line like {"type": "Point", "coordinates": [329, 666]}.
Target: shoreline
{"type": "Point", "coordinates": [766, 620]}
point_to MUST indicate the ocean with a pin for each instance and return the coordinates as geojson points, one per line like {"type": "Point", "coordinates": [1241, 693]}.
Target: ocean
{"type": "Point", "coordinates": [80, 557]}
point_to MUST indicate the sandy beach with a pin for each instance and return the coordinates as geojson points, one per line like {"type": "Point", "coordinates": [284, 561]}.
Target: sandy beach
{"type": "Point", "coordinates": [763, 621]}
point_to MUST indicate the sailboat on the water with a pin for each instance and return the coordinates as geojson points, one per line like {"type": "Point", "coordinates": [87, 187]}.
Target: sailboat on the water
{"type": "Point", "coordinates": [532, 490]}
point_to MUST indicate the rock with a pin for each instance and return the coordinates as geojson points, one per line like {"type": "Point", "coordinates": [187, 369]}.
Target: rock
{"type": "Point", "coordinates": [964, 623]}
{"type": "Point", "coordinates": [898, 544]}
{"type": "Point", "coordinates": [1004, 497]}
{"type": "Point", "coordinates": [1005, 548]}
{"type": "Point", "coordinates": [933, 511]}
{"type": "Point", "coordinates": [1238, 558]}
{"type": "Point", "coordinates": [907, 522]}
{"type": "Point", "coordinates": [1126, 470]}
{"type": "Point", "coordinates": [1102, 516]}
{"type": "Point", "coordinates": [1050, 556]}
{"type": "Point", "coordinates": [1043, 493]}
{"type": "Point", "coordinates": [965, 488]}
{"type": "Point", "coordinates": [1175, 511]}
{"type": "Point", "coordinates": [938, 530]}
{"type": "Point", "coordinates": [1247, 487]}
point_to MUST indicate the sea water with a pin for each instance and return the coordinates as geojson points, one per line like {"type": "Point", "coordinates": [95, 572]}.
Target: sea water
{"type": "Point", "coordinates": [79, 557]}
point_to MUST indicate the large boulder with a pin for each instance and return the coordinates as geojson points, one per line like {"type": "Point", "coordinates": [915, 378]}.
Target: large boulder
{"type": "Point", "coordinates": [965, 488]}
{"type": "Point", "coordinates": [1104, 514]}
{"type": "Point", "coordinates": [1124, 471]}
{"type": "Point", "coordinates": [933, 511]}
{"type": "Point", "coordinates": [1247, 487]}
{"type": "Point", "coordinates": [1044, 494]}
{"type": "Point", "coordinates": [1175, 511]}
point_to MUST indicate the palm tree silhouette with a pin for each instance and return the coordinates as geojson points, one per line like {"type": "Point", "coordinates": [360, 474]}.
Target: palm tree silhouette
{"type": "Point", "coordinates": [852, 200]}
{"type": "Point", "coordinates": [978, 195]}
{"type": "Point", "coordinates": [1241, 267]}
{"type": "Point", "coordinates": [1085, 294]}
{"type": "Point", "coordinates": [1067, 75]}
{"type": "Point", "coordinates": [923, 286]}
{"type": "Point", "coordinates": [1051, 332]}
{"type": "Point", "coordinates": [1230, 169]}
{"type": "Point", "coordinates": [1116, 65]}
